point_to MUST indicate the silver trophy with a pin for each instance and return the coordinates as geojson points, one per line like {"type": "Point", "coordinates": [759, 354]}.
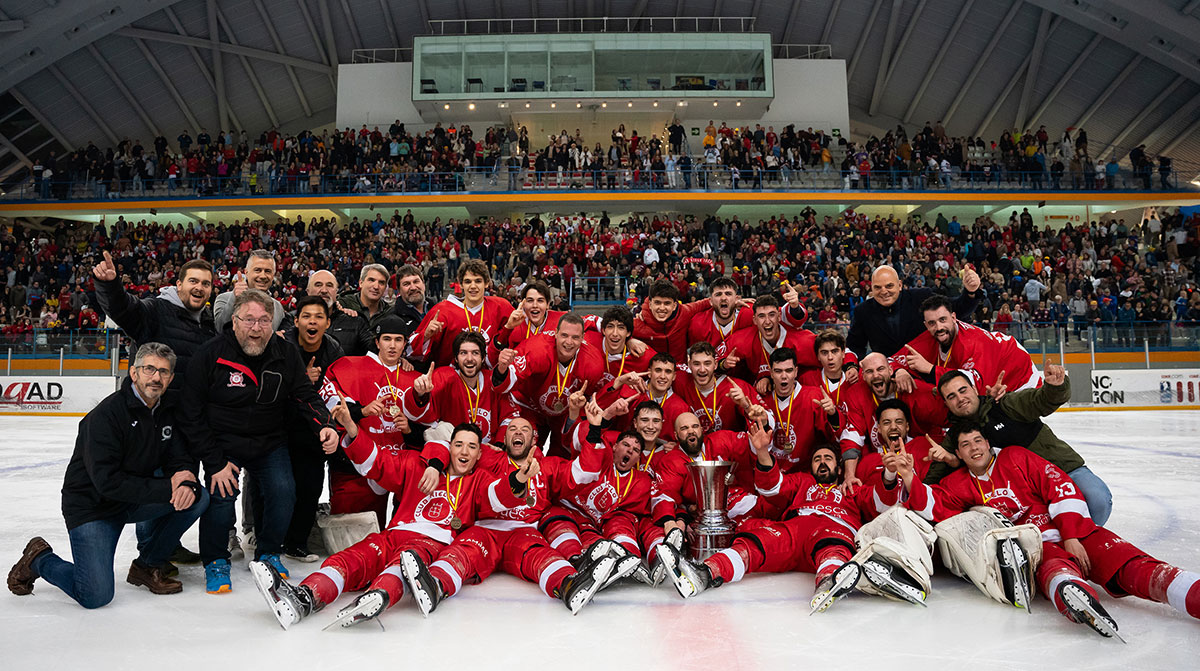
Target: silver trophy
{"type": "Point", "coordinates": [712, 531]}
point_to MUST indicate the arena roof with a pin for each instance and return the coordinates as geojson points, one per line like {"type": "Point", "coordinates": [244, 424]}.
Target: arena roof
{"type": "Point", "coordinates": [103, 70]}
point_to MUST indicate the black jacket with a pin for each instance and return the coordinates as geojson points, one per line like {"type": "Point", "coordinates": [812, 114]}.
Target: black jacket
{"type": "Point", "coordinates": [160, 319]}
{"type": "Point", "coordinates": [411, 316]}
{"type": "Point", "coordinates": [237, 408]}
{"type": "Point", "coordinates": [349, 332]}
{"type": "Point", "coordinates": [120, 446]}
{"type": "Point", "coordinates": [888, 330]}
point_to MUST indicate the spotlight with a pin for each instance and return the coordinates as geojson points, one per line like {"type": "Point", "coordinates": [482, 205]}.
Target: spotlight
{"type": "Point", "coordinates": [471, 106]}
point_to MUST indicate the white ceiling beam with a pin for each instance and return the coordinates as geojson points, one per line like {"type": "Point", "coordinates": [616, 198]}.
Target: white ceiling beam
{"type": "Point", "coordinates": [980, 61]}
{"type": "Point", "coordinates": [201, 65]}
{"type": "Point", "coordinates": [885, 55]}
{"type": "Point", "coordinates": [358, 43]}
{"type": "Point", "coordinates": [166, 81]}
{"type": "Point", "coordinates": [908, 31]}
{"type": "Point", "coordinates": [222, 47]}
{"type": "Point", "coordinates": [266, 18]}
{"type": "Point", "coordinates": [943, 49]}
{"type": "Point", "coordinates": [214, 37]}
{"type": "Point", "coordinates": [1146, 110]}
{"type": "Point", "coordinates": [1111, 89]}
{"type": "Point", "coordinates": [861, 42]}
{"type": "Point", "coordinates": [129, 97]}
{"type": "Point", "coordinates": [1080, 58]}
{"type": "Point", "coordinates": [83, 102]}
{"type": "Point", "coordinates": [249, 70]}
{"type": "Point", "coordinates": [833, 10]}
{"type": "Point", "coordinates": [41, 118]}
{"type": "Point", "coordinates": [1035, 66]}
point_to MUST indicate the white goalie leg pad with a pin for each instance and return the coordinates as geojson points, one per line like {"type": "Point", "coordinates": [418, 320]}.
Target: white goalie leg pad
{"type": "Point", "coordinates": [902, 538]}
{"type": "Point", "coordinates": [439, 432]}
{"type": "Point", "coordinates": [967, 543]}
{"type": "Point", "coordinates": [339, 532]}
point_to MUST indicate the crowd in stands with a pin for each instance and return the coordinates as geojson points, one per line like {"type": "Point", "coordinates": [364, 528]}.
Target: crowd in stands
{"type": "Point", "coordinates": [1107, 273]}
{"type": "Point", "coordinates": [400, 159]}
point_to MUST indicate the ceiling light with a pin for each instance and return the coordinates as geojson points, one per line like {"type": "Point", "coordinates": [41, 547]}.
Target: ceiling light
{"type": "Point", "coordinates": [739, 103]}
{"type": "Point", "coordinates": [656, 103]}
{"type": "Point", "coordinates": [714, 103]}
{"type": "Point", "coordinates": [553, 105]}
{"type": "Point", "coordinates": [526, 105]}
{"type": "Point", "coordinates": [604, 104]}
{"type": "Point", "coordinates": [578, 105]}
{"type": "Point", "coordinates": [629, 104]}
{"type": "Point", "coordinates": [471, 106]}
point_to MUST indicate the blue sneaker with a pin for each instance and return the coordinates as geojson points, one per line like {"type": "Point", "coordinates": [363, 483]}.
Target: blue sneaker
{"type": "Point", "coordinates": [216, 577]}
{"type": "Point", "coordinates": [273, 560]}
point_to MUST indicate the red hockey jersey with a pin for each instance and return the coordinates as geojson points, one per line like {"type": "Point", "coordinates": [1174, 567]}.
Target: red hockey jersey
{"type": "Point", "coordinates": [715, 409]}
{"type": "Point", "coordinates": [537, 381]}
{"type": "Point", "coordinates": [802, 495]}
{"type": "Point", "coordinates": [982, 354]}
{"type": "Point", "coordinates": [456, 402]}
{"type": "Point", "coordinates": [487, 319]}
{"type": "Point", "coordinates": [363, 379]}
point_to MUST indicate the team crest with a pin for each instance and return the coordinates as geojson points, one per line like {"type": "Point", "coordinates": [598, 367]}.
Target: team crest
{"type": "Point", "coordinates": [434, 508]}
{"type": "Point", "coordinates": [236, 379]}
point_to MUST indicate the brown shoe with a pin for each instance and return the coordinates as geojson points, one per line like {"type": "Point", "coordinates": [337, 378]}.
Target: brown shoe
{"type": "Point", "coordinates": [22, 575]}
{"type": "Point", "coordinates": [153, 577]}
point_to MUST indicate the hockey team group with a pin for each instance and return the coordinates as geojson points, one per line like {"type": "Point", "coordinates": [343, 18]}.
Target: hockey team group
{"type": "Point", "coordinates": [555, 447]}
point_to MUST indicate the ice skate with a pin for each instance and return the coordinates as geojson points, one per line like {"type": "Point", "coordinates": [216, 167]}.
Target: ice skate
{"type": "Point", "coordinates": [626, 564]}
{"type": "Point", "coordinates": [675, 539]}
{"type": "Point", "coordinates": [835, 586]}
{"type": "Point", "coordinates": [578, 590]}
{"type": "Point", "coordinates": [1016, 572]}
{"type": "Point", "coordinates": [658, 571]}
{"type": "Point", "coordinates": [290, 604]}
{"type": "Point", "coordinates": [425, 589]}
{"type": "Point", "coordinates": [367, 606]}
{"type": "Point", "coordinates": [641, 573]}
{"type": "Point", "coordinates": [690, 579]}
{"type": "Point", "coordinates": [1083, 608]}
{"type": "Point", "coordinates": [886, 577]}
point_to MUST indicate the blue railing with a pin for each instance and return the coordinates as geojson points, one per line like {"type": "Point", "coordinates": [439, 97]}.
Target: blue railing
{"type": "Point", "coordinates": [597, 291]}
{"type": "Point", "coordinates": [702, 177]}
{"type": "Point", "coordinates": [42, 343]}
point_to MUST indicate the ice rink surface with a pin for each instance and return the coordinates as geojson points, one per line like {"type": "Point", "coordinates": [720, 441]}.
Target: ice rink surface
{"type": "Point", "coordinates": [1151, 461]}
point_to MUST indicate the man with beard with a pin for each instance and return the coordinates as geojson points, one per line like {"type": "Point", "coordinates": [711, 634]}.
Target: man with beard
{"type": "Point", "coordinates": [374, 387]}
{"type": "Point", "coordinates": [1016, 419]}
{"type": "Point", "coordinates": [411, 303]}
{"type": "Point", "coordinates": [893, 421]}
{"type": "Point", "coordinates": [511, 540]}
{"type": "Point", "coordinates": [996, 361]}
{"type": "Point", "coordinates": [129, 466]}
{"type": "Point", "coordinates": [259, 274]}
{"type": "Point", "coordinates": [531, 317]}
{"type": "Point", "coordinates": [890, 318]}
{"type": "Point", "coordinates": [716, 324]}
{"type": "Point", "coordinates": [720, 401]}
{"type": "Point", "coordinates": [622, 353]}
{"type": "Point", "coordinates": [803, 416]}
{"type": "Point", "coordinates": [656, 385]}
{"type": "Point", "coordinates": [244, 389]}
{"type": "Point", "coordinates": [176, 317]}
{"type": "Point", "coordinates": [815, 536]}
{"type": "Point", "coordinates": [861, 437]}
{"type": "Point", "coordinates": [431, 509]}
{"type": "Point", "coordinates": [461, 393]}
{"type": "Point", "coordinates": [433, 341]}
{"type": "Point", "coordinates": [1027, 489]}
{"type": "Point", "coordinates": [349, 331]}
{"type": "Point", "coordinates": [746, 353]}
{"type": "Point", "coordinates": [544, 371]}
{"type": "Point", "coordinates": [368, 302]}
{"type": "Point", "coordinates": [318, 350]}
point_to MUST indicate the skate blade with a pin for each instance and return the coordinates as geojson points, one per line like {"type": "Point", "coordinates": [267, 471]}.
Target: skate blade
{"type": "Point", "coordinates": [265, 582]}
{"type": "Point", "coordinates": [600, 574]}
{"type": "Point", "coordinates": [408, 567]}
{"type": "Point", "coordinates": [346, 618]}
{"type": "Point", "coordinates": [891, 587]}
{"type": "Point", "coordinates": [624, 568]}
{"type": "Point", "coordinates": [1080, 604]}
{"type": "Point", "coordinates": [843, 584]}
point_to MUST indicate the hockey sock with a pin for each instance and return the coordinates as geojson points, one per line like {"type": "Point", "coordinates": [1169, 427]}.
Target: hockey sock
{"type": "Point", "coordinates": [829, 559]}
{"type": "Point", "coordinates": [1057, 578]}
{"type": "Point", "coordinates": [552, 577]}
{"type": "Point", "coordinates": [447, 577]}
{"type": "Point", "coordinates": [1158, 581]}
{"type": "Point", "coordinates": [628, 543]}
{"type": "Point", "coordinates": [326, 584]}
{"type": "Point", "coordinates": [391, 580]}
{"type": "Point", "coordinates": [563, 537]}
{"type": "Point", "coordinates": [730, 565]}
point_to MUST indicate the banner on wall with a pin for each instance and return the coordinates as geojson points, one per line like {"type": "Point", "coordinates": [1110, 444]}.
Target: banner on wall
{"type": "Point", "coordinates": [1165, 387]}
{"type": "Point", "coordinates": [39, 395]}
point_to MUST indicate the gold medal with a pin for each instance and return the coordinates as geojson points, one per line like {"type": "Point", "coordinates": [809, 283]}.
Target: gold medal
{"type": "Point", "coordinates": [531, 500]}
{"type": "Point", "coordinates": [455, 523]}
{"type": "Point", "coordinates": [394, 411]}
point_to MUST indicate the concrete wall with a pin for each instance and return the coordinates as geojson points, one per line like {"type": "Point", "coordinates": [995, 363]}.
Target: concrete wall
{"type": "Point", "coordinates": [375, 94]}
{"type": "Point", "coordinates": [810, 92]}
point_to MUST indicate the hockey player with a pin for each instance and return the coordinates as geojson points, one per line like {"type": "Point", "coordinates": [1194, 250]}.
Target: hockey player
{"type": "Point", "coordinates": [996, 361]}
{"type": "Point", "coordinates": [663, 322]}
{"type": "Point", "coordinates": [860, 435]}
{"type": "Point", "coordinates": [432, 508]}
{"type": "Point", "coordinates": [374, 387]}
{"type": "Point", "coordinates": [461, 393]}
{"type": "Point", "coordinates": [724, 317]}
{"type": "Point", "coordinates": [622, 353]}
{"type": "Point", "coordinates": [531, 317]}
{"type": "Point", "coordinates": [1025, 488]}
{"type": "Point", "coordinates": [433, 341]}
{"type": "Point", "coordinates": [657, 385]}
{"type": "Point", "coordinates": [745, 354]}
{"type": "Point", "coordinates": [893, 422]}
{"type": "Point", "coordinates": [838, 366]}
{"type": "Point", "coordinates": [721, 402]}
{"type": "Point", "coordinates": [816, 536]}
{"type": "Point", "coordinates": [544, 371]}
{"type": "Point", "coordinates": [803, 416]}
{"type": "Point", "coordinates": [1016, 419]}
{"type": "Point", "coordinates": [511, 541]}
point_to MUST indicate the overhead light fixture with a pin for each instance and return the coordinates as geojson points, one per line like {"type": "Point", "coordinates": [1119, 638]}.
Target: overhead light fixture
{"type": "Point", "coordinates": [714, 103]}
{"type": "Point", "coordinates": [553, 105]}
{"type": "Point", "coordinates": [526, 105]}
{"type": "Point", "coordinates": [739, 103]}
{"type": "Point", "coordinates": [656, 103]}
{"type": "Point", "coordinates": [502, 105]}
{"type": "Point", "coordinates": [604, 104]}
{"type": "Point", "coordinates": [471, 106]}
{"type": "Point", "coordinates": [629, 104]}
{"type": "Point", "coordinates": [578, 105]}
{"type": "Point", "coordinates": [683, 103]}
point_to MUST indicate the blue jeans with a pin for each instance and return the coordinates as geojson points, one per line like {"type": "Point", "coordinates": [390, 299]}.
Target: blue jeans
{"type": "Point", "coordinates": [90, 579]}
{"type": "Point", "coordinates": [1095, 492]}
{"type": "Point", "coordinates": [273, 477]}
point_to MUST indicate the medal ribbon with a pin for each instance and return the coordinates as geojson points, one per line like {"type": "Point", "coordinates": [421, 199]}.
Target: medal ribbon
{"type": "Point", "coordinates": [453, 499]}
{"type": "Point", "coordinates": [991, 484]}
{"type": "Point", "coordinates": [712, 416]}
{"type": "Point", "coordinates": [562, 379]}
{"type": "Point", "coordinates": [472, 403]}
{"type": "Point", "coordinates": [628, 483]}
{"type": "Point", "coordinates": [467, 313]}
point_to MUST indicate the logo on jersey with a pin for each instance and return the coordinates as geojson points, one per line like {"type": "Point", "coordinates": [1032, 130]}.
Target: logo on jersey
{"type": "Point", "coordinates": [434, 508]}
{"type": "Point", "coordinates": [166, 432]}
{"type": "Point", "coordinates": [236, 379]}
{"type": "Point", "coordinates": [783, 445]}
{"type": "Point", "coordinates": [600, 500]}
{"type": "Point", "coordinates": [1007, 502]}
{"type": "Point", "coordinates": [555, 402]}
{"type": "Point", "coordinates": [818, 493]}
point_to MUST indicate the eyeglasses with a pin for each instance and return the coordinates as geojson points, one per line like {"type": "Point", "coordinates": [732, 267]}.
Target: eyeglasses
{"type": "Point", "coordinates": [150, 371]}
{"type": "Point", "coordinates": [262, 322]}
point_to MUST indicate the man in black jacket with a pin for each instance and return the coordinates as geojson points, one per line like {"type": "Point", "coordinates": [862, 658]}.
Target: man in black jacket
{"type": "Point", "coordinates": [244, 389]}
{"type": "Point", "coordinates": [892, 317]}
{"type": "Point", "coordinates": [129, 466]}
{"type": "Point", "coordinates": [177, 317]}
{"type": "Point", "coordinates": [348, 329]}
{"type": "Point", "coordinates": [411, 304]}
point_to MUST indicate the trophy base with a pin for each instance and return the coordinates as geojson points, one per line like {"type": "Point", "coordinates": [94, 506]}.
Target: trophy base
{"type": "Point", "coordinates": [705, 543]}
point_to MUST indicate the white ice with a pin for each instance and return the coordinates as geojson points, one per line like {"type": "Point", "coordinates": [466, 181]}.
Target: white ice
{"type": "Point", "coordinates": [1151, 461]}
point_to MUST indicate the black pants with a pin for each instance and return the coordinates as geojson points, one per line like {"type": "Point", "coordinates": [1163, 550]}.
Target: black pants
{"type": "Point", "coordinates": [308, 470]}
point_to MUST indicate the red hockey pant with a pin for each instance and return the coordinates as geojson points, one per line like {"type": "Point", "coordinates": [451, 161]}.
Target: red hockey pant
{"type": "Point", "coordinates": [521, 552]}
{"type": "Point", "coordinates": [372, 563]}
{"type": "Point", "coordinates": [807, 543]}
{"type": "Point", "coordinates": [569, 532]}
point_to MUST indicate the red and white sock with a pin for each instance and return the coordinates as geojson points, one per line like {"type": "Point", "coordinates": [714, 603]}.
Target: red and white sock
{"type": "Point", "coordinates": [1158, 581]}
{"type": "Point", "coordinates": [326, 584]}
{"type": "Point", "coordinates": [391, 580]}
{"type": "Point", "coordinates": [728, 565]}
{"type": "Point", "coordinates": [829, 559]}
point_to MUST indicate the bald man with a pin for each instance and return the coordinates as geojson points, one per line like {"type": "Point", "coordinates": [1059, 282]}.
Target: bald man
{"type": "Point", "coordinates": [892, 316]}
{"type": "Point", "coordinates": [348, 329]}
